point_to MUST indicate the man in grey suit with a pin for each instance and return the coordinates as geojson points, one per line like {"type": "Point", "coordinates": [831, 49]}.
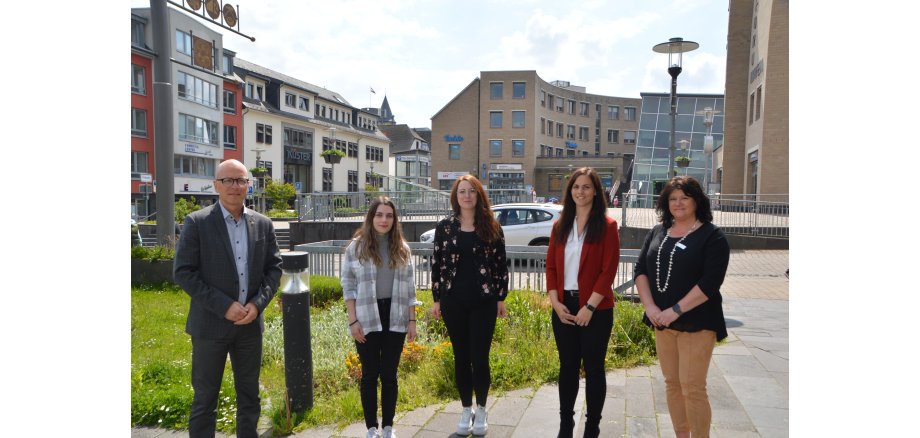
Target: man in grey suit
{"type": "Point", "coordinates": [229, 263]}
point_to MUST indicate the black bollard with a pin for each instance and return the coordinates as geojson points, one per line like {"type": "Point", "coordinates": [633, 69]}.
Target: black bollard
{"type": "Point", "coordinates": [295, 310]}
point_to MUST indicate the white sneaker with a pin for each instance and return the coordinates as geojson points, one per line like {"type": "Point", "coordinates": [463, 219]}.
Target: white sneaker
{"type": "Point", "coordinates": [466, 422]}
{"type": "Point", "coordinates": [481, 423]}
{"type": "Point", "coordinates": [372, 433]}
{"type": "Point", "coordinates": [388, 432]}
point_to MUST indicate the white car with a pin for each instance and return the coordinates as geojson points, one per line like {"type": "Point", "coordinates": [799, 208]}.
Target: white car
{"type": "Point", "coordinates": [523, 224]}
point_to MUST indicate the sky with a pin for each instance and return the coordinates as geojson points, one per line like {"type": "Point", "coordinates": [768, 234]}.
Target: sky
{"type": "Point", "coordinates": [422, 53]}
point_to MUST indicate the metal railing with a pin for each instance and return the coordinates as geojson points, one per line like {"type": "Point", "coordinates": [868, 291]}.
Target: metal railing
{"type": "Point", "coordinates": [418, 204]}
{"type": "Point", "coordinates": [752, 215]}
{"type": "Point", "coordinates": [526, 265]}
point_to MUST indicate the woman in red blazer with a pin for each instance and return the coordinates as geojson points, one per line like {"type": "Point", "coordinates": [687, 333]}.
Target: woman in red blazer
{"type": "Point", "coordinates": [581, 263]}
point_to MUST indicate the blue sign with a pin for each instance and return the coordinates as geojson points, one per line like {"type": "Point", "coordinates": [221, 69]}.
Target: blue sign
{"type": "Point", "coordinates": [571, 145]}
{"type": "Point", "coordinates": [250, 190]}
{"type": "Point", "coordinates": [453, 138]}
{"type": "Point", "coordinates": [297, 185]}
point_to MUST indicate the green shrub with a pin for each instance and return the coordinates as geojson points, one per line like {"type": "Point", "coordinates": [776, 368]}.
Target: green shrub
{"type": "Point", "coordinates": [157, 253]}
{"type": "Point", "coordinates": [279, 192]}
{"type": "Point", "coordinates": [277, 212]}
{"type": "Point", "coordinates": [324, 290]}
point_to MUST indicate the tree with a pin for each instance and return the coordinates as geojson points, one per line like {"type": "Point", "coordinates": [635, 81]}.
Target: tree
{"type": "Point", "coordinates": [185, 206]}
{"type": "Point", "coordinates": [279, 193]}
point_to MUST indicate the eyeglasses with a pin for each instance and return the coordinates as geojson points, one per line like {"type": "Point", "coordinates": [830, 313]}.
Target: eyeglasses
{"type": "Point", "coordinates": [229, 182]}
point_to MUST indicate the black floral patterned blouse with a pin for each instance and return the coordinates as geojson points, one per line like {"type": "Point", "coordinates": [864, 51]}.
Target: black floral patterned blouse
{"type": "Point", "coordinates": [490, 261]}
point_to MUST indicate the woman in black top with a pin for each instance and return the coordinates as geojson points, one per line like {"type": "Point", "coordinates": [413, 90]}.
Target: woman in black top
{"type": "Point", "coordinates": [679, 272]}
{"type": "Point", "coordinates": [469, 282]}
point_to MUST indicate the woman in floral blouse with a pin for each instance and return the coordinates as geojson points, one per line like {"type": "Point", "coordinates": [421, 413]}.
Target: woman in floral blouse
{"type": "Point", "coordinates": [469, 278]}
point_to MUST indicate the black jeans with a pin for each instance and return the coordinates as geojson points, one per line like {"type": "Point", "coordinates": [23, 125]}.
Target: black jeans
{"type": "Point", "coordinates": [582, 346]}
{"type": "Point", "coordinates": [470, 323]}
{"type": "Point", "coordinates": [379, 356]}
{"type": "Point", "coordinates": [209, 356]}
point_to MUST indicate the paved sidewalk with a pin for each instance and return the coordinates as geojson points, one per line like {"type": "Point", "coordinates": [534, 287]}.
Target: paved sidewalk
{"type": "Point", "coordinates": [748, 380]}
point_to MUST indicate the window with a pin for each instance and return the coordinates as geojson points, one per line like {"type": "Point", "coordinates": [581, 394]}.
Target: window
{"type": "Point", "coordinates": [263, 133]}
{"type": "Point", "coordinates": [373, 153]}
{"type": "Point", "coordinates": [518, 90]}
{"type": "Point", "coordinates": [138, 122]}
{"type": "Point", "coordinates": [560, 103]}
{"type": "Point", "coordinates": [327, 179]}
{"type": "Point", "coordinates": [555, 183]}
{"type": "Point", "coordinates": [571, 106]}
{"type": "Point", "coordinates": [138, 37]}
{"type": "Point", "coordinates": [751, 110]}
{"type": "Point", "coordinates": [304, 103]}
{"type": "Point", "coordinates": [196, 90]}
{"type": "Point", "coordinates": [138, 162]}
{"type": "Point", "coordinates": [542, 125]}
{"type": "Point", "coordinates": [193, 166]}
{"type": "Point", "coordinates": [495, 148]}
{"type": "Point", "coordinates": [549, 128]}
{"type": "Point", "coordinates": [517, 148]}
{"type": "Point", "coordinates": [352, 180]}
{"type": "Point", "coordinates": [258, 92]}
{"type": "Point", "coordinates": [583, 110]}
{"type": "Point", "coordinates": [552, 101]}
{"type": "Point", "coordinates": [613, 136]}
{"type": "Point", "coordinates": [559, 130]}
{"type": "Point", "coordinates": [759, 101]}
{"type": "Point", "coordinates": [613, 112]}
{"type": "Point", "coordinates": [353, 152]}
{"type": "Point", "coordinates": [630, 113]}
{"type": "Point", "coordinates": [454, 151]}
{"type": "Point", "coordinates": [229, 102]}
{"type": "Point", "coordinates": [183, 42]}
{"type": "Point", "coordinates": [583, 133]}
{"type": "Point", "coordinates": [225, 64]}
{"type": "Point", "coordinates": [290, 99]}
{"type": "Point", "coordinates": [495, 119]}
{"type": "Point", "coordinates": [297, 137]}
{"type": "Point", "coordinates": [629, 137]}
{"type": "Point", "coordinates": [197, 129]}
{"type": "Point", "coordinates": [543, 98]}
{"type": "Point", "coordinates": [558, 152]}
{"type": "Point", "coordinates": [570, 132]}
{"type": "Point", "coordinates": [229, 137]}
{"type": "Point", "coordinates": [517, 119]}
{"type": "Point", "coordinates": [138, 80]}
{"type": "Point", "coordinates": [496, 90]}
{"type": "Point", "coordinates": [570, 153]}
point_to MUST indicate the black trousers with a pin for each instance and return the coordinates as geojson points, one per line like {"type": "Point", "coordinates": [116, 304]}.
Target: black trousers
{"type": "Point", "coordinates": [379, 356]}
{"type": "Point", "coordinates": [582, 346]}
{"type": "Point", "coordinates": [208, 359]}
{"type": "Point", "coordinates": [470, 325]}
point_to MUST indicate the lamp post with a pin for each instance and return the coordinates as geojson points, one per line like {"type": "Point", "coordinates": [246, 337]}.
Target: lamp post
{"type": "Point", "coordinates": [258, 199]}
{"type": "Point", "coordinates": [675, 48]}
{"type": "Point", "coordinates": [708, 113]}
{"type": "Point", "coordinates": [684, 149]}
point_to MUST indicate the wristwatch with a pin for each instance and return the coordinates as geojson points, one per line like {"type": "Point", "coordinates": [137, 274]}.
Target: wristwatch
{"type": "Point", "coordinates": [590, 307]}
{"type": "Point", "coordinates": [676, 309]}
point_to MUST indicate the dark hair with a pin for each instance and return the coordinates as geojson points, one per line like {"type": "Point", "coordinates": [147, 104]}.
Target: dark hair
{"type": "Point", "coordinates": [691, 187]}
{"type": "Point", "coordinates": [597, 222]}
{"type": "Point", "coordinates": [487, 228]}
{"type": "Point", "coordinates": [366, 244]}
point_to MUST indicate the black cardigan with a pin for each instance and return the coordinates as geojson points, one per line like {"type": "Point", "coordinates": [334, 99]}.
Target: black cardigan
{"type": "Point", "coordinates": [703, 262]}
{"type": "Point", "coordinates": [490, 262]}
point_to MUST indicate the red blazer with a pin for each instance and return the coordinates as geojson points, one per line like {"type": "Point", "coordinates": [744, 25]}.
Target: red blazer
{"type": "Point", "coordinates": [596, 270]}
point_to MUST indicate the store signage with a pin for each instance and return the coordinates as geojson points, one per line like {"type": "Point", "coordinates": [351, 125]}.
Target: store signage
{"type": "Point", "coordinates": [297, 155]}
{"type": "Point", "coordinates": [453, 138]}
{"type": "Point", "coordinates": [195, 149]}
{"type": "Point", "coordinates": [757, 71]}
{"type": "Point", "coordinates": [451, 175]}
{"type": "Point", "coordinates": [146, 178]}
{"type": "Point", "coordinates": [571, 145]}
{"type": "Point", "coordinates": [507, 167]}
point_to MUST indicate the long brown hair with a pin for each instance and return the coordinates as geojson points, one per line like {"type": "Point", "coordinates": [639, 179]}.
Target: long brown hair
{"type": "Point", "coordinates": [597, 221]}
{"type": "Point", "coordinates": [366, 243]}
{"type": "Point", "coordinates": [487, 228]}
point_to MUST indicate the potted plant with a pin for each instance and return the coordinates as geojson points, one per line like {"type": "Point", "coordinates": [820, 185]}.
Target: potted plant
{"type": "Point", "coordinates": [682, 161]}
{"type": "Point", "coordinates": [258, 171]}
{"type": "Point", "coordinates": [332, 156]}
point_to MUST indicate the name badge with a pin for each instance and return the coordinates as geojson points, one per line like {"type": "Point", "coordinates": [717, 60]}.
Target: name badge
{"type": "Point", "coordinates": [681, 246]}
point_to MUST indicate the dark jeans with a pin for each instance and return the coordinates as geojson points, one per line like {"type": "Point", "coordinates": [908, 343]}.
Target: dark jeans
{"type": "Point", "coordinates": [208, 359]}
{"type": "Point", "coordinates": [379, 356]}
{"type": "Point", "coordinates": [582, 346]}
{"type": "Point", "coordinates": [470, 325]}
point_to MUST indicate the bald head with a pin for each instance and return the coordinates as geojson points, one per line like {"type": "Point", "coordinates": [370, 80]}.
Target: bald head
{"type": "Point", "coordinates": [230, 166]}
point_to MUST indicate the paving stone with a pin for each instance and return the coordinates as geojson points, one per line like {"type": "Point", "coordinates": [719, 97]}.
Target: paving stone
{"type": "Point", "coordinates": [640, 406]}
{"type": "Point", "coordinates": [507, 411]}
{"type": "Point", "coordinates": [417, 417]}
{"type": "Point", "coordinates": [354, 430]}
{"type": "Point", "coordinates": [523, 392]}
{"type": "Point", "coordinates": [638, 385]}
{"type": "Point", "coordinates": [497, 431]}
{"type": "Point", "coordinates": [454, 407]}
{"type": "Point", "coordinates": [733, 418]}
{"type": "Point", "coordinates": [319, 432]}
{"type": "Point", "coordinates": [718, 432]}
{"type": "Point", "coordinates": [537, 418]}
{"type": "Point", "coordinates": [747, 366]}
{"type": "Point", "coordinates": [641, 371]}
{"type": "Point", "coordinates": [443, 422]}
{"type": "Point", "coordinates": [641, 427]}
{"type": "Point", "coordinates": [758, 391]}
{"type": "Point", "coordinates": [405, 431]}
{"type": "Point", "coordinates": [721, 395]}
{"type": "Point", "coordinates": [613, 417]}
{"type": "Point", "coordinates": [772, 432]}
{"type": "Point", "coordinates": [184, 434]}
{"type": "Point", "coordinates": [146, 432]}
{"type": "Point", "coordinates": [616, 377]}
{"type": "Point", "coordinates": [782, 379]}
{"type": "Point", "coordinates": [768, 417]}
{"type": "Point", "coordinates": [771, 361]}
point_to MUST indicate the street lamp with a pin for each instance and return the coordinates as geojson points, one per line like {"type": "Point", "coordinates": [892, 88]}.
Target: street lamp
{"type": "Point", "coordinates": [675, 47]}
{"type": "Point", "coordinates": [708, 114]}
{"type": "Point", "coordinates": [685, 150]}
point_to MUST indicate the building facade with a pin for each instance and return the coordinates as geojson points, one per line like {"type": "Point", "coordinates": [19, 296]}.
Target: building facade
{"type": "Point", "coordinates": [652, 159]}
{"type": "Point", "coordinates": [289, 123]}
{"type": "Point", "coordinates": [410, 154]}
{"type": "Point", "coordinates": [142, 164]}
{"type": "Point", "coordinates": [755, 156]}
{"type": "Point", "coordinates": [513, 130]}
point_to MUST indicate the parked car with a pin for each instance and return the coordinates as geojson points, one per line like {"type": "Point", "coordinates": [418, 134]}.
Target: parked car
{"type": "Point", "coordinates": [522, 223]}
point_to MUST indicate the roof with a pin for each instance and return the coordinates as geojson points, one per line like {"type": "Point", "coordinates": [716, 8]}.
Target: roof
{"type": "Point", "coordinates": [287, 80]}
{"type": "Point", "coordinates": [475, 80]}
{"type": "Point", "coordinates": [401, 137]}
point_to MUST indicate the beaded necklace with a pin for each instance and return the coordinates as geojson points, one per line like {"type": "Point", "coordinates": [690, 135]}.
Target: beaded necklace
{"type": "Point", "coordinates": [670, 260]}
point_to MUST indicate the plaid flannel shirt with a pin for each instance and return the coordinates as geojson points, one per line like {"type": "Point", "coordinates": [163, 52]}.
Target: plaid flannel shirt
{"type": "Point", "coordinates": [359, 283]}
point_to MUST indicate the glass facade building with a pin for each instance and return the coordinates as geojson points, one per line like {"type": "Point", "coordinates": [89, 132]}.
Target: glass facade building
{"type": "Point", "coordinates": [650, 168]}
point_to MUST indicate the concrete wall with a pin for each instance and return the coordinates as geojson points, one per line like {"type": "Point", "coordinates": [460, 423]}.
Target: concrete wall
{"type": "Point", "coordinates": [633, 238]}
{"type": "Point", "coordinates": [309, 232]}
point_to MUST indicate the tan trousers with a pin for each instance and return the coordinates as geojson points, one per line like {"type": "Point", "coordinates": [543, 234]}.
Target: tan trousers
{"type": "Point", "coordinates": [684, 359]}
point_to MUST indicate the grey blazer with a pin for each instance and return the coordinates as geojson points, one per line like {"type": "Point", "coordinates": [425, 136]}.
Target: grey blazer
{"type": "Point", "coordinates": [204, 268]}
